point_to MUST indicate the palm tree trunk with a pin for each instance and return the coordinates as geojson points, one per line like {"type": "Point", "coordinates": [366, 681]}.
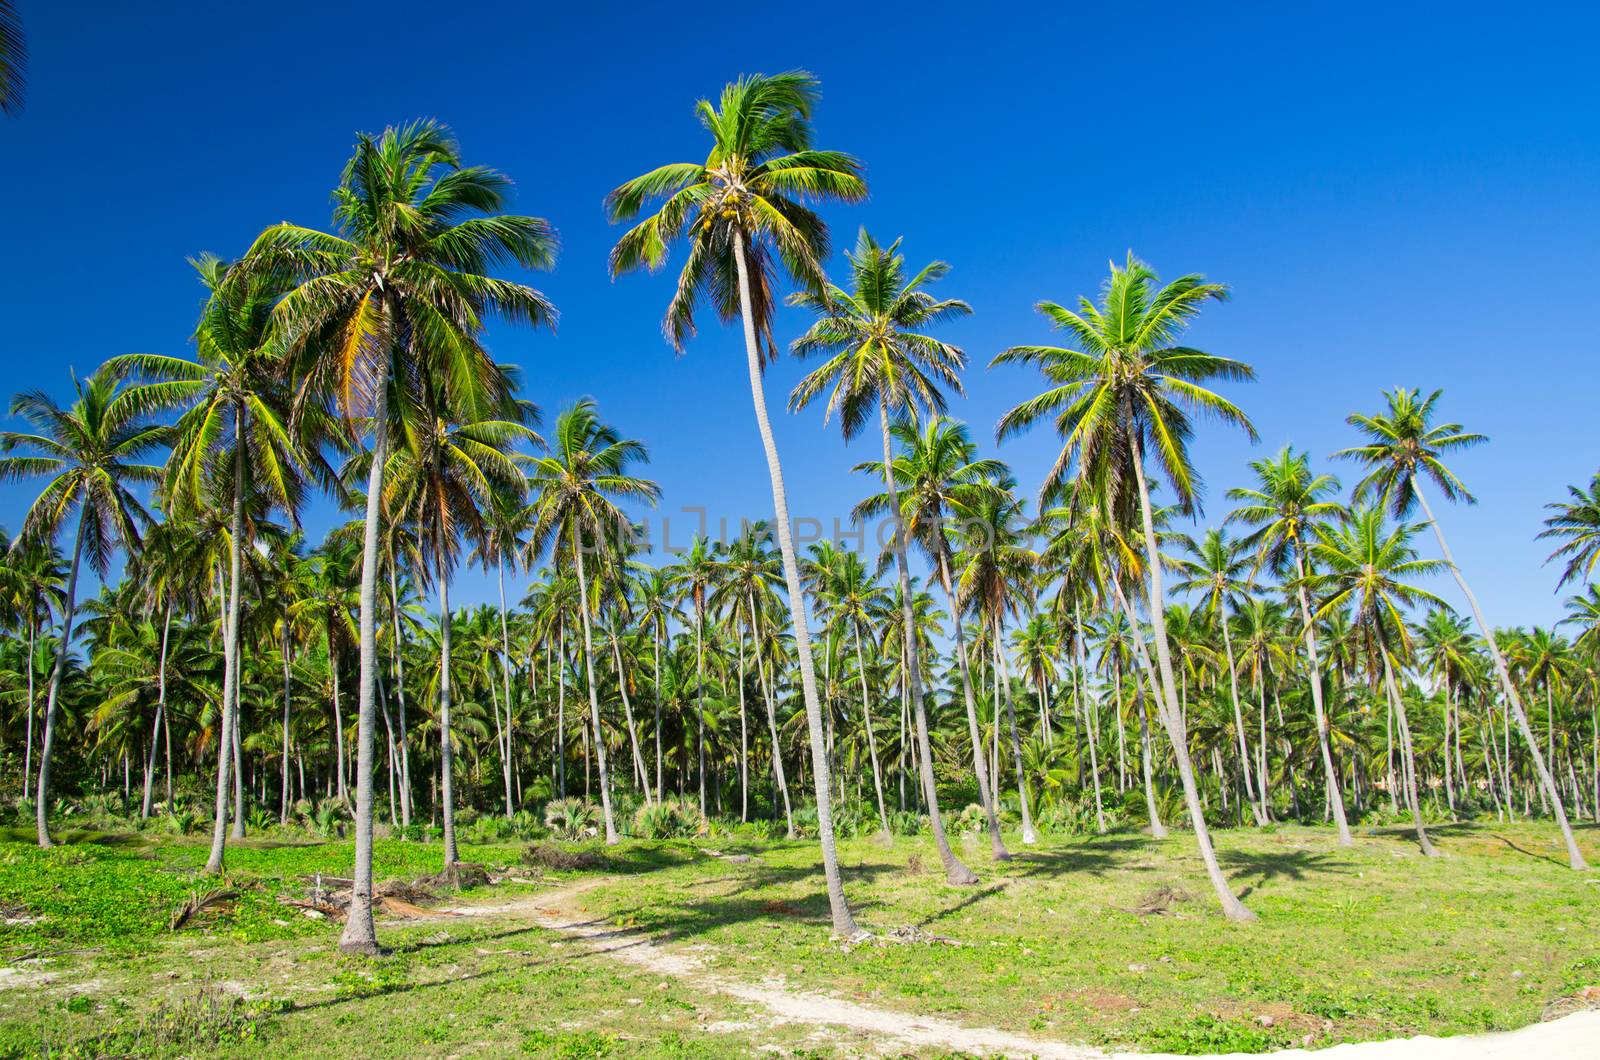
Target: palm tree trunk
{"type": "Point", "coordinates": [1574, 855]}
{"type": "Point", "coordinates": [700, 695]}
{"type": "Point", "coordinates": [283, 650]}
{"type": "Point", "coordinates": [660, 760]}
{"type": "Point", "coordinates": [744, 736]}
{"type": "Point", "coordinates": [1142, 659]}
{"type": "Point", "coordinates": [997, 845]}
{"type": "Point", "coordinates": [1091, 721]}
{"type": "Point", "coordinates": [452, 854]}
{"type": "Point", "coordinates": [843, 923]}
{"type": "Point", "coordinates": [561, 714]}
{"type": "Point", "coordinates": [1003, 676]}
{"type": "Point", "coordinates": [1232, 908]}
{"type": "Point", "coordinates": [360, 935]}
{"type": "Point", "coordinates": [911, 663]}
{"type": "Point", "coordinates": [1258, 808]}
{"type": "Point", "coordinates": [42, 792]}
{"type": "Point", "coordinates": [1407, 755]}
{"type": "Point", "coordinates": [237, 831]}
{"type": "Point", "coordinates": [161, 712]}
{"type": "Point", "coordinates": [505, 674]}
{"type": "Point", "coordinates": [627, 716]}
{"type": "Point", "coordinates": [1323, 743]}
{"type": "Point", "coordinates": [400, 697]}
{"type": "Point", "coordinates": [230, 649]}
{"type": "Point", "coordinates": [772, 725]}
{"type": "Point", "coordinates": [594, 694]}
{"type": "Point", "coordinates": [27, 750]}
{"type": "Point", "coordinates": [866, 721]}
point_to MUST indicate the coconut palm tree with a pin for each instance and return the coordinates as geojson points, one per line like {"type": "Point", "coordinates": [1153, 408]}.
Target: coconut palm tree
{"type": "Point", "coordinates": [578, 482]}
{"type": "Point", "coordinates": [1362, 568]}
{"type": "Point", "coordinates": [655, 610]}
{"type": "Point", "coordinates": [1286, 504]}
{"type": "Point", "coordinates": [880, 359]}
{"type": "Point", "coordinates": [33, 585]}
{"type": "Point", "coordinates": [1403, 447]}
{"type": "Point", "coordinates": [235, 428]}
{"type": "Point", "coordinates": [945, 480]}
{"type": "Point", "coordinates": [89, 451]}
{"type": "Point", "coordinates": [402, 292]}
{"type": "Point", "coordinates": [1576, 523]}
{"type": "Point", "coordinates": [743, 213]}
{"type": "Point", "coordinates": [506, 526]}
{"type": "Point", "coordinates": [1131, 388]}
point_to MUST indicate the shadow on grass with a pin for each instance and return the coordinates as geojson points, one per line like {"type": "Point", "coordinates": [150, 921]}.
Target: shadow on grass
{"type": "Point", "coordinates": [1279, 865]}
{"type": "Point", "coordinates": [1095, 857]}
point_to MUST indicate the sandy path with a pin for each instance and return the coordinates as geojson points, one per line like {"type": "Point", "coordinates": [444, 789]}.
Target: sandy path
{"type": "Point", "coordinates": [1573, 1037]}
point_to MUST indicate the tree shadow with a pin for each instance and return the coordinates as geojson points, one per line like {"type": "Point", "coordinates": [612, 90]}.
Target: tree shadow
{"type": "Point", "coordinates": [970, 900]}
{"type": "Point", "coordinates": [1095, 857]}
{"type": "Point", "coordinates": [1528, 853]}
{"type": "Point", "coordinates": [1279, 865]}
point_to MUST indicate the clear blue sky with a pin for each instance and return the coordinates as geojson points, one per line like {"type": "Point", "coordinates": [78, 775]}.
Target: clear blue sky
{"type": "Point", "coordinates": [1398, 196]}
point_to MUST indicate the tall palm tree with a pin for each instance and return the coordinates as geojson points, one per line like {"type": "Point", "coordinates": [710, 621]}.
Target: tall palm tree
{"type": "Point", "coordinates": [403, 290]}
{"type": "Point", "coordinates": [34, 583]}
{"type": "Point", "coordinates": [654, 610]}
{"type": "Point", "coordinates": [1133, 387]}
{"type": "Point", "coordinates": [744, 216]}
{"type": "Point", "coordinates": [1286, 504]}
{"type": "Point", "coordinates": [1363, 567]}
{"type": "Point", "coordinates": [235, 428]}
{"type": "Point", "coordinates": [1403, 447]}
{"type": "Point", "coordinates": [695, 577]}
{"type": "Point", "coordinates": [89, 452]}
{"type": "Point", "coordinates": [579, 480]}
{"type": "Point", "coordinates": [944, 480]}
{"type": "Point", "coordinates": [881, 360]}
{"type": "Point", "coordinates": [1576, 523]}
{"type": "Point", "coordinates": [1216, 567]}
{"type": "Point", "coordinates": [506, 526]}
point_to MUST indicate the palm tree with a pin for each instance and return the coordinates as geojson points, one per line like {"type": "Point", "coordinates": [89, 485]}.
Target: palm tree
{"type": "Point", "coordinates": [1216, 567]}
{"type": "Point", "coordinates": [33, 586]}
{"type": "Point", "coordinates": [235, 428]}
{"type": "Point", "coordinates": [1285, 506]}
{"type": "Point", "coordinates": [401, 293]}
{"type": "Point", "coordinates": [944, 479]}
{"type": "Point", "coordinates": [13, 60]}
{"type": "Point", "coordinates": [742, 211]}
{"type": "Point", "coordinates": [1361, 567]}
{"type": "Point", "coordinates": [506, 526]}
{"type": "Point", "coordinates": [880, 359]}
{"type": "Point", "coordinates": [654, 609]}
{"type": "Point", "coordinates": [89, 451]}
{"type": "Point", "coordinates": [1576, 523]}
{"type": "Point", "coordinates": [578, 482]}
{"type": "Point", "coordinates": [1129, 388]}
{"type": "Point", "coordinates": [1404, 446]}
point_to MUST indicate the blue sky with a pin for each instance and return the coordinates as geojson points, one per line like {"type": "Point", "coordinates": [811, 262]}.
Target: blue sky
{"type": "Point", "coordinates": [1401, 195]}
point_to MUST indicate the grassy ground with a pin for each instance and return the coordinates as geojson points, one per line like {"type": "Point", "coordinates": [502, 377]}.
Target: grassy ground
{"type": "Point", "coordinates": [1355, 944]}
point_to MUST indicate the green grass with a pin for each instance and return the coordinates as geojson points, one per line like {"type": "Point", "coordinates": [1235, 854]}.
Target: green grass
{"type": "Point", "coordinates": [1351, 945]}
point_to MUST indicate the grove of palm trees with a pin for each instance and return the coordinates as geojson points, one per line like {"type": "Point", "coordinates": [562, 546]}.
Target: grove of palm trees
{"type": "Point", "coordinates": [349, 684]}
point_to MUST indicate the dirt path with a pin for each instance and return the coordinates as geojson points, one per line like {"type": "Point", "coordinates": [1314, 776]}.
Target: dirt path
{"type": "Point", "coordinates": [1572, 1037]}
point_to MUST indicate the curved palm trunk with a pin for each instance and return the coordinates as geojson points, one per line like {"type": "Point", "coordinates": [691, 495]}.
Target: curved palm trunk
{"type": "Point", "coordinates": [772, 729]}
{"type": "Point", "coordinates": [1002, 669]}
{"type": "Point", "coordinates": [505, 673]}
{"type": "Point", "coordinates": [1142, 659]}
{"type": "Point", "coordinates": [400, 697]}
{"type": "Point", "coordinates": [866, 720]}
{"type": "Point", "coordinates": [42, 792]}
{"type": "Point", "coordinates": [161, 712]}
{"type": "Point", "coordinates": [360, 935]}
{"type": "Point", "coordinates": [230, 652]}
{"type": "Point", "coordinates": [1171, 717]}
{"type": "Point", "coordinates": [1259, 808]}
{"type": "Point", "coordinates": [997, 844]}
{"type": "Point", "coordinates": [594, 694]}
{"type": "Point", "coordinates": [1329, 773]}
{"type": "Point", "coordinates": [843, 923]}
{"type": "Point", "coordinates": [700, 695]}
{"type": "Point", "coordinates": [1408, 760]}
{"type": "Point", "coordinates": [283, 795]}
{"type": "Point", "coordinates": [446, 751]}
{"type": "Point", "coordinates": [627, 716]}
{"type": "Point", "coordinates": [954, 870]}
{"type": "Point", "coordinates": [1091, 720]}
{"type": "Point", "coordinates": [1546, 781]}
{"type": "Point", "coordinates": [660, 757]}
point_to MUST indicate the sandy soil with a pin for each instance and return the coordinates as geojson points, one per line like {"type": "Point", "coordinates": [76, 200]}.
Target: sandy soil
{"type": "Point", "coordinates": [1573, 1037]}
